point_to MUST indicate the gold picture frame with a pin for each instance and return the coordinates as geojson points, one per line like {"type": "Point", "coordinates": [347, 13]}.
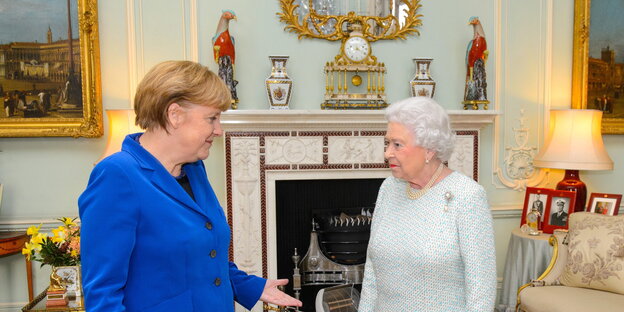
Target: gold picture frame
{"type": "Point", "coordinates": [47, 94]}
{"type": "Point", "coordinates": [580, 72]}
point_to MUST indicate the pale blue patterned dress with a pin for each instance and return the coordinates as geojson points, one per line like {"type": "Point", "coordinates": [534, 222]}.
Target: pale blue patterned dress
{"type": "Point", "coordinates": [431, 254]}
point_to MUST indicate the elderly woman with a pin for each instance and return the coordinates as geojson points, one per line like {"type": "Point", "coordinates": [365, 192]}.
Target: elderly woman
{"type": "Point", "coordinates": [432, 244]}
{"type": "Point", "coordinates": [154, 236]}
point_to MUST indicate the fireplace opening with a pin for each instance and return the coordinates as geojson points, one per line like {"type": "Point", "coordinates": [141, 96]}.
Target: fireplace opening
{"type": "Point", "coordinates": [327, 203]}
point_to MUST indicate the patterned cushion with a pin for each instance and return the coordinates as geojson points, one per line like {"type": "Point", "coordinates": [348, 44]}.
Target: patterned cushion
{"type": "Point", "coordinates": [595, 252]}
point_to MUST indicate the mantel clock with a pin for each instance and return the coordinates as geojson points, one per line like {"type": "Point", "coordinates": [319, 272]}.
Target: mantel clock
{"type": "Point", "coordinates": [343, 76]}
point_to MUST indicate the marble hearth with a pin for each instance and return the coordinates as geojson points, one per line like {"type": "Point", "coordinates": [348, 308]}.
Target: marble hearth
{"type": "Point", "coordinates": [263, 147]}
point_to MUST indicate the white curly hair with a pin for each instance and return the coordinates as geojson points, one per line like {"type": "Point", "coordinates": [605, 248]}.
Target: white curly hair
{"type": "Point", "coordinates": [428, 122]}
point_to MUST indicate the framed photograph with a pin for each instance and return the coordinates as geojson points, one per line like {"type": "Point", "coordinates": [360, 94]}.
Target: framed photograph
{"type": "Point", "coordinates": [50, 69]}
{"type": "Point", "coordinates": [598, 56]}
{"type": "Point", "coordinates": [558, 209]}
{"type": "Point", "coordinates": [535, 197]}
{"type": "Point", "coordinates": [606, 204]}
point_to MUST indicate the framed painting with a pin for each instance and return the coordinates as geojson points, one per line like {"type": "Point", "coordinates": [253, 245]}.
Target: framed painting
{"type": "Point", "coordinates": [606, 204]}
{"type": "Point", "coordinates": [598, 61]}
{"type": "Point", "coordinates": [50, 69]}
{"type": "Point", "coordinates": [535, 198]}
{"type": "Point", "coordinates": [558, 210]}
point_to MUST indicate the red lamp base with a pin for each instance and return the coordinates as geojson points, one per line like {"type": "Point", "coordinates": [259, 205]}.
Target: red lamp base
{"type": "Point", "coordinates": [572, 182]}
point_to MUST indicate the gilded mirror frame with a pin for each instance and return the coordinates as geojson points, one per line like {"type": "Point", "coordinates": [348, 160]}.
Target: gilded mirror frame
{"type": "Point", "coordinates": [387, 26]}
{"type": "Point", "coordinates": [90, 124]}
{"type": "Point", "coordinates": [580, 66]}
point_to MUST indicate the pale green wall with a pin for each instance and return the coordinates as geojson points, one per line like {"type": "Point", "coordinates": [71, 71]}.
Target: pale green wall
{"type": "Point", "coordinates": [530, 45]}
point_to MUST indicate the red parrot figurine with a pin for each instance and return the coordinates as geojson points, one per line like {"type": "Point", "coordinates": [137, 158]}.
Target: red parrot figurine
{"type": "Point", "coordinates": [224, 52]}
{"type": "Point", "coordinates": [476, 55]}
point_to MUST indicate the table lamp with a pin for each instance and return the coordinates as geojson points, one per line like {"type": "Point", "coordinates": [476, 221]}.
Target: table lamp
{"type": "Point", "coordinates": [120, 124]}
{"type": "Point", "coordinates": [574, 143]}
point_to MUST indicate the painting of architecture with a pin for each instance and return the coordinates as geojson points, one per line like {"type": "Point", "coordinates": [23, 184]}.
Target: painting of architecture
{"type": "Point", "coordinates": [605, 79]}
{"type": "Point", "coordinates": [40, 60]}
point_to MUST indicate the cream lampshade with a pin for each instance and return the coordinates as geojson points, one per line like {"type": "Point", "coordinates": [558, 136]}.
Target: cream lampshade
{"type": "Point", "coordinates": [120, 124]}
{"type": "Point", "coordinates": [574, 143]}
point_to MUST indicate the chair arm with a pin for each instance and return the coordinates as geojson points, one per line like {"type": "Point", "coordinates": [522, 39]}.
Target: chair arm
{"type": "Point", "coordinates": [559, 241]}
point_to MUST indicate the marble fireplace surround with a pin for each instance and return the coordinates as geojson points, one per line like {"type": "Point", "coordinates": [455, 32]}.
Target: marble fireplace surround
{"type": "Point", "coordinates": [263, 146]}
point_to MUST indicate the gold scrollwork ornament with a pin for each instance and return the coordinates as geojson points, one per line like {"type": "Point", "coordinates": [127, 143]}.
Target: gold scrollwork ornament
{"type": "Point", "coordinates": [374, 27]}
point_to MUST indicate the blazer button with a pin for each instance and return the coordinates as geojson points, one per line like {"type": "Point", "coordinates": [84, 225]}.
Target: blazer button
{"type": "Point", "coordinates": [217, 281]}
{"type": "Point", "coordinates": [213, 253]}
{"type": "Point", "coordinates": [209, 225]}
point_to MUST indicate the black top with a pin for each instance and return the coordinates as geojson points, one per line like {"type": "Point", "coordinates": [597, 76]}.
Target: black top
{"type": "Point", "coordinates": [185, 183]}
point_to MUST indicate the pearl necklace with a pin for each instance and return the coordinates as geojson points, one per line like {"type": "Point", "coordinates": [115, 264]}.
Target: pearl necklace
{"type": "Point", "coordinates": [411, 194]}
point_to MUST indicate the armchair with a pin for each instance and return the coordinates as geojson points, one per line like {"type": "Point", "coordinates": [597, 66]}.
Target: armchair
{"type": "Point", "coordinates": [586, 272]}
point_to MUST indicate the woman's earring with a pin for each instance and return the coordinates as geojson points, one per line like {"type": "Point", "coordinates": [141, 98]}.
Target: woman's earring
{"type": "Point", "coordinates": [426, 161]}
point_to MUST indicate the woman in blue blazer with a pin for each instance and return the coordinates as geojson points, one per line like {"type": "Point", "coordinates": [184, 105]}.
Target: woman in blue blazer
{"type": "Point", "coordinates": [154, 236]}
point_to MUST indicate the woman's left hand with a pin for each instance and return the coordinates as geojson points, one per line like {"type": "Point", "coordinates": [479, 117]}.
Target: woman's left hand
{"type": "Point", "coordinates": [271, 294]}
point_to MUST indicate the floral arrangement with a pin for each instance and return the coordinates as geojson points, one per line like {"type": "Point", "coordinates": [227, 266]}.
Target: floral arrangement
{"type": "Point", "coordinates": [62, 248]}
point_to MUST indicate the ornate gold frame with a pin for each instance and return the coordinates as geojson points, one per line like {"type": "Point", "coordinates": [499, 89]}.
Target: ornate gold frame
{"type": "Point", "coordinates": [580, 65]}
{"type": "Point", "coordinates": [90, 125]}
{"type": "Point", "coordinates": [315, 21]}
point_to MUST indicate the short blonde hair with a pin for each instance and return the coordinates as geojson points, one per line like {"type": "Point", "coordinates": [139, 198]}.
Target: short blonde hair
{"type": "Point", "coordinates": [182, 82]}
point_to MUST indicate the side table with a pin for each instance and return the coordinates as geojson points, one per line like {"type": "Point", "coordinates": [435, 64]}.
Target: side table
{"type": "Point", "coordinates": [12, 243]}
{"type": "Point", "coordinates": [39, 305]}
{"type": "Point", "coordinates": [527, 258]}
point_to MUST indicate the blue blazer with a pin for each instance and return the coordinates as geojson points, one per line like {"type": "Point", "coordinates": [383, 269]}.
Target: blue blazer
{"type": "Point", "coordinates": [146, 245]}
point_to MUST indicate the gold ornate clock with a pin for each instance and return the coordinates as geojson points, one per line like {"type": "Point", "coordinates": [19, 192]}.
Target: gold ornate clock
{"type": "Point", "coordinates": [354, 65]}
{"type": "Point", "coordinates": [354, 79]}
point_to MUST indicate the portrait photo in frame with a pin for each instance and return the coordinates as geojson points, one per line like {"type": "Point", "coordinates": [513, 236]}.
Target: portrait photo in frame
{"type": "Point", "coordinates": [598, 56]}
{"type": "Point", "coordinates": [535, 197]}
{"type": "Point", "coordinates": [606, 204]}
{"type": "Point", "coordinates": [558, 210]}
{"type": "Point", "coordinates": [50, 69]}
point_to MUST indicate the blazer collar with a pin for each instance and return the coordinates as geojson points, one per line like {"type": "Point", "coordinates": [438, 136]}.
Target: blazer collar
{"type": "Point", "coordinates": [161, 178]}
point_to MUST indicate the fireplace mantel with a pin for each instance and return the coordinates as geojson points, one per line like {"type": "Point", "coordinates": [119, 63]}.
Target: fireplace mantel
{"type": "Point", "coordinates": [245, 120]}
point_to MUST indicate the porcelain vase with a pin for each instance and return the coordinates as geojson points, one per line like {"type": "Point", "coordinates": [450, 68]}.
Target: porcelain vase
{"type": "Point", "coordinates": [422, 84]}
{"type": "Point", "coordinates": [71, 277]}
{"type": "Point", "coordinates": [278, 84]}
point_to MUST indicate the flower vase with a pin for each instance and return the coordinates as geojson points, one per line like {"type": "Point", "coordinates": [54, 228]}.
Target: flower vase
{"type": "Point", "coordinates": [422, 84]}
{"type": "Point", "coordinates": [278, 84]}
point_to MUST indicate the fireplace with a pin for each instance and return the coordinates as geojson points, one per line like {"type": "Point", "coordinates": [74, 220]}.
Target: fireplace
{"type": "Point", "coordinates": [337, 210]}
{"type": "Point", "coordinates": [268, 150]}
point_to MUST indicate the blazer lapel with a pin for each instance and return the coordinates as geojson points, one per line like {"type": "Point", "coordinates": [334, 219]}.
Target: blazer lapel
{"type": "Point", "coordinates": [159, 175]}
{"type": "Point", "coordinates": [168, 185]}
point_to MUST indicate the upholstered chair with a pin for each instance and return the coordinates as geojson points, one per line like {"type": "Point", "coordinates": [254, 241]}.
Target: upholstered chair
{"type": "Point", "coordinates": [586, 272]}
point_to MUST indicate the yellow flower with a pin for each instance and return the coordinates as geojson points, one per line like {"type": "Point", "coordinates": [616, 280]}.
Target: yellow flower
{"type": "Point", "coordinates": [39, 238]}
{"type": "Point", "coordinates": [74, 253]}
{"type": "Point", "coordinates": [67, 221]}
{"type": "Point", "coordinates": [59, 234]}
{"type": "Point", "coordinates": [33, 230]}
{"type": "Point", "coordinates": [27, 250]}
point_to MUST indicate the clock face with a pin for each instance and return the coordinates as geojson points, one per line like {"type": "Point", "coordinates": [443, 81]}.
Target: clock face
{"type": "Point", "coordinates": [356, 48]}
